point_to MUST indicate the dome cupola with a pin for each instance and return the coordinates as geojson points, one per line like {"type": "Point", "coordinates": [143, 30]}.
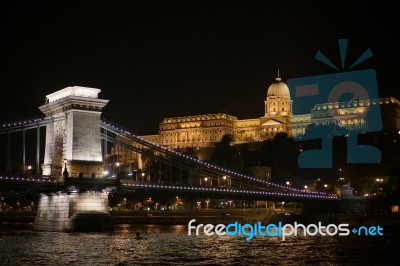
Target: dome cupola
{"type": "Point", "coordinates": [278, 88]}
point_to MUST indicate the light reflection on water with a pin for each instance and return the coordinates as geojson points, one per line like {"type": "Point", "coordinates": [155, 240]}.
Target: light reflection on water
{"type": "Point", "coordinates": [171, 245]}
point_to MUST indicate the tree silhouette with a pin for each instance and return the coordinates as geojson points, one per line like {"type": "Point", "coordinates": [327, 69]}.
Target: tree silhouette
{"type": "Point", "coordinates": [226, 156]}
{"type": "Point", "coordinates": [393, 186]}
{"type": "Point", "coordinates": [281, 155]}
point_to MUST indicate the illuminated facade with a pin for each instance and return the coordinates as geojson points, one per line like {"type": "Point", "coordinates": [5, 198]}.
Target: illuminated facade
{"type": "Point", "coordinates": [194, 131]}
{"type": "Point", "coordinates": [200, 131]}
{"type": "Point", "coordinates": [205, 130]}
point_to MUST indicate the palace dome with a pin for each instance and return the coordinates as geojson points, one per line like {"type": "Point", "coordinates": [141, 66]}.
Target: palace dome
{"type": "Point", "coordinates": [278, 88]}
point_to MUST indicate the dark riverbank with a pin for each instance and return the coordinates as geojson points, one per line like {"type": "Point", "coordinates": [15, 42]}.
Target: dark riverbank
{"type": "Point", "coordinates": [160, 217]}
{"type": "Point", "coordinates": [221, 216]}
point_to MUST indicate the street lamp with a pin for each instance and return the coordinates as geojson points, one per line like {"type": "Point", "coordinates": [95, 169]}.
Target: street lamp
{"type": "Point", "coordinates": [226, 181]}
{"type": "Point", "coordinates": [223, 180]}
{"type": "Point", "coordinates": [178, 202]}
{"type": "Point", "coordinates": [29, 169]}
{"type": "Point", "coordinates": [205, 181]}
{"type": "Point", "coordinates": [379, 182]}
{"type": "Point", "coordinates": [117, 164]}
{"type": "Point", "coordinates": [143, 175]}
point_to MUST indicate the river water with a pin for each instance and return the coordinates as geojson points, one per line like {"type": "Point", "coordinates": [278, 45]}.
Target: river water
{"type": "Point", "coordinates": [171, 245]}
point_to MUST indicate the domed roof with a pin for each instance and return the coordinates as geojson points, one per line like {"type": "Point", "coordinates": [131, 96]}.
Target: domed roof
{"type": "Point", "coordinates": [278, 88]}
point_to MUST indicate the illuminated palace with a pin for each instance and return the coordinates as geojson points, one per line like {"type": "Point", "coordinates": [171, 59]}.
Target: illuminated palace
{"type": "Point", "coordinates": [200, 131]}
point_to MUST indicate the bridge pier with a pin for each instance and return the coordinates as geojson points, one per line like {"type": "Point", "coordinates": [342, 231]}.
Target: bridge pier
{"type": "Point", "coordinates": [64, 212]}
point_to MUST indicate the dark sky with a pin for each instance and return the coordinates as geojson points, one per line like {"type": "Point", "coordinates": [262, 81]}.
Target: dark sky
{"type": "Point", "coordinates": [163, 59]}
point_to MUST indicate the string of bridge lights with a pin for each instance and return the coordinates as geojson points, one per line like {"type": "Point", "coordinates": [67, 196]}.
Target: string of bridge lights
{"type": "Point", "coordinates": [209, 165]}
{"type": "Point", "coordinates": [229, 190]}
{"type": "Point", "coordinates": [29, 179]}
{"type": "Point", "coordinates": [26, 122]}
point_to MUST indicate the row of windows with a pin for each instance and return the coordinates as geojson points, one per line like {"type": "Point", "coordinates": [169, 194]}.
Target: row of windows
{"type": "Point", "coordinates": [278, 102]}
{"type": "Point", "coordinates": [247, 135]}
{"type": "Point", "coordinates": [346, 104]}
{"type": "Point", "coordinates": [199, 118]}
{"type": "Point", "coordinates": [273, 129]}
{"type": "Point", "coordinates": [248, 125]}
{"type": "Point", "coordinates": [274, 110]}
{"type": "Point", "coordinates": [172, 141]}
{"type": "Point", "coordinates": [195, 126]}
{"type": "Point", "coordinates": [192, 132]}
{"type": "Point", "coordinates": [191, 136]}
{"type": "Point", "coordinates": [253, 130]}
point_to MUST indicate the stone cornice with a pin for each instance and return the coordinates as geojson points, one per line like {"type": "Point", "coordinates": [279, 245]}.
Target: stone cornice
{"type": "Point", "coordinates": [73, 102]}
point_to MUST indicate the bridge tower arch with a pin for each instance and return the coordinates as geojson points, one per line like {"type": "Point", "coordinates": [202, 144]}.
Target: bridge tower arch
{"type": "Point", "coordinates": [75, 141]}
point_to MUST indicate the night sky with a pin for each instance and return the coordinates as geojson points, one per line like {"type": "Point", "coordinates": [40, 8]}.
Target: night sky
{"type": "Point", "coordinates": [165, 59]}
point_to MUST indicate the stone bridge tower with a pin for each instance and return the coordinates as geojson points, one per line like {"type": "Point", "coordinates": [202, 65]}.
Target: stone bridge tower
{"type": "Point", "coordinates": [73, 140]}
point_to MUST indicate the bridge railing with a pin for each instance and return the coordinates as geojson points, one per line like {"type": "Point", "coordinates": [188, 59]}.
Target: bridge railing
{"type": "Point", "coordinates": [28, 123]}
{"type": "Point", "coordinates": [226, 191]}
